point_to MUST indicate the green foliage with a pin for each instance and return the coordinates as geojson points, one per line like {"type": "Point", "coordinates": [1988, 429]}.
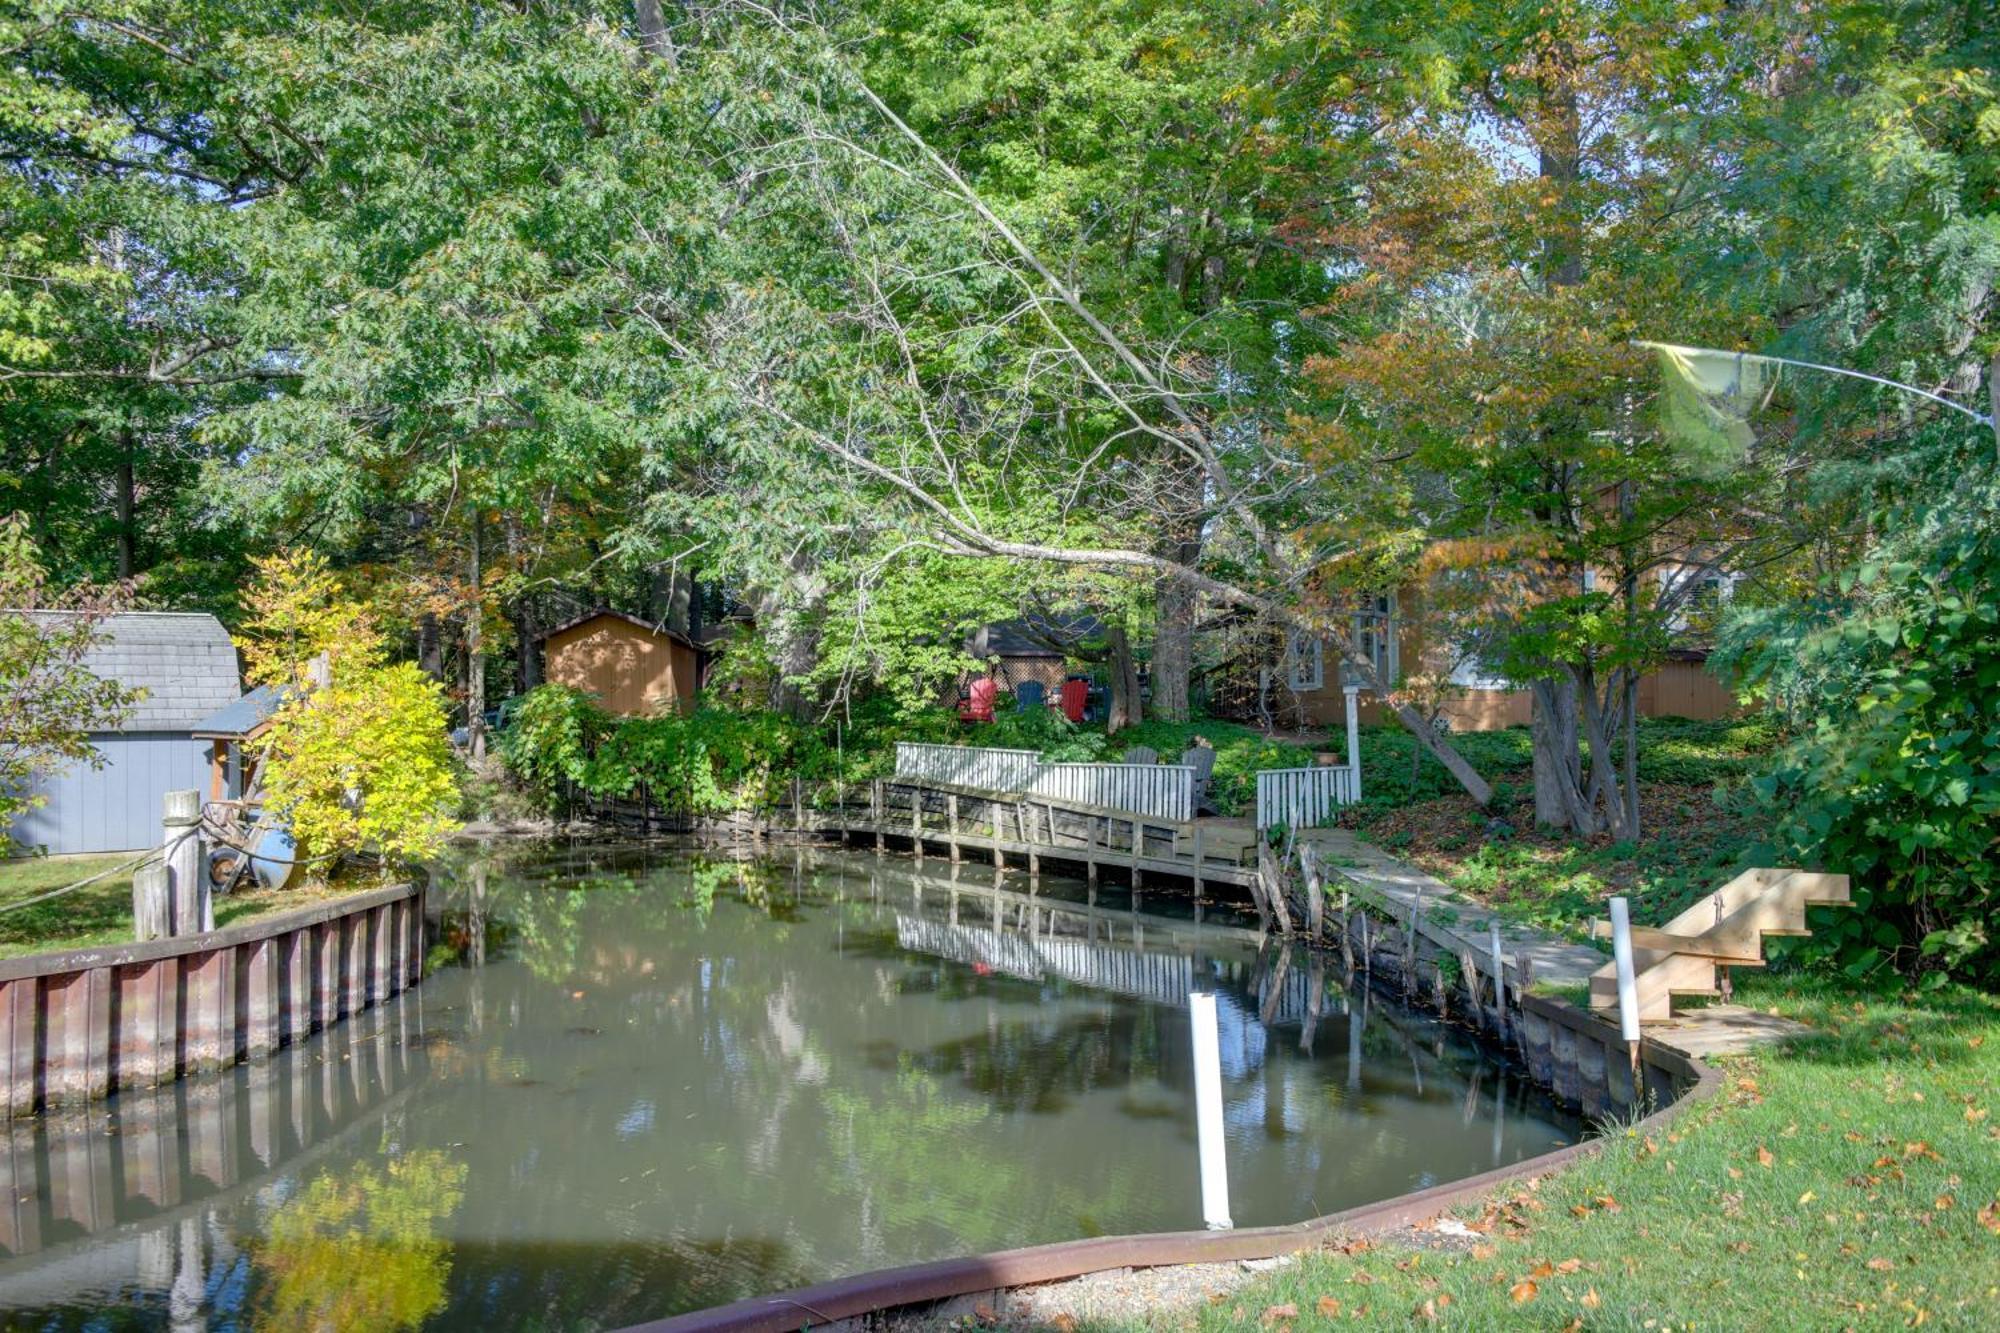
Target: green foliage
{"type": "Point", "coordinates": [357, 755]}
{"type": "Point", "coordinates": [710, 761]}
{"type": "Point", "coordinates": [547, 747]}
{"type": "Point", "coordinates": [1043, 730]}
{"type": "Point", "coordinates": [1896, 781]}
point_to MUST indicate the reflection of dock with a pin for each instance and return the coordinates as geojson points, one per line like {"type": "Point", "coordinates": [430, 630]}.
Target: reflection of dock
{"type": "Point", "coordinates": [147, 1157]}
{"type": "Point", "coordinates": [1043, 953]}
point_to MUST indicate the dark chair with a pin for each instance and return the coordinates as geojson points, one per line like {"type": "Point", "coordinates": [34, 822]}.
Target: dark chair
{"type": "Point", "coordinates": [1030, 695]}
{"type": "Point", "coordinates": [1141, 754]}
{"type": "Point", "coordinates": [1200, 758]}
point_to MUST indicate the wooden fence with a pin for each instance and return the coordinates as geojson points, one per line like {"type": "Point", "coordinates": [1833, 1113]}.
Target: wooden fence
{"type": "Point", "coordinates": [967, 766]}
{"type": "Point", "coordinates": [1304, 797]}
{"type": "Point", "coordinates": [79, 1025]}
{"type": "Point", "coordinates": [1159, 791]}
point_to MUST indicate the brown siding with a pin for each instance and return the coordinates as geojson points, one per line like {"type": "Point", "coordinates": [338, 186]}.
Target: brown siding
{"type": "Point", "coordinates": [629, 668]}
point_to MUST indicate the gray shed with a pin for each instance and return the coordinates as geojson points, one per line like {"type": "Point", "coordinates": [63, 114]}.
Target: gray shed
{"type": "Point", "coordinates": [187, 666]}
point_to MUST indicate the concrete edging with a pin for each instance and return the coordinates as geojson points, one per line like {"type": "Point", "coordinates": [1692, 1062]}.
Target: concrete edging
{"type": "Point", "coordinates": [923, 1284]}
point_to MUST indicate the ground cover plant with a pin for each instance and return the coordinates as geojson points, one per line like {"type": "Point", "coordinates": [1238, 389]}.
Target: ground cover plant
{"type": "Point", "coordinates": [1849, 1179]}
{"type": "Point", "coordinates": [1702, 824]}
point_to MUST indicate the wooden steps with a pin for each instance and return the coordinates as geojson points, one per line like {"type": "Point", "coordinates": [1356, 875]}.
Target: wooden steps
{"type": "Point", "coordinates": [1726, 929]}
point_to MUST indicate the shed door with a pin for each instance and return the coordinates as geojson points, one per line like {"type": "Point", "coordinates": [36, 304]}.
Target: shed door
{"type": "Point", "coordinates": [115, 808]}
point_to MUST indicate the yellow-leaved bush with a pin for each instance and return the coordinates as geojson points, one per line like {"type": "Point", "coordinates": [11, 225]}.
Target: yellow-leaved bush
{"type": "Point", "coordinates": [361, 761]}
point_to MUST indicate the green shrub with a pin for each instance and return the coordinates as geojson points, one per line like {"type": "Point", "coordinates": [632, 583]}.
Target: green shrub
{"type": "Point", "coordinates": [548, 745]}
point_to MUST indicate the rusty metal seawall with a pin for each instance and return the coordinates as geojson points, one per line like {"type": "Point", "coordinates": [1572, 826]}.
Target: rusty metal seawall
{"type": "Point", "coordinates": [85, 1023]}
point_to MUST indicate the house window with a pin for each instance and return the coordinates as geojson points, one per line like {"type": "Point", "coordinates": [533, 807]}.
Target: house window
{"type": "Point", "coordinates": [1375, 635]}
{"type": "Point", "coordinates": [1308, 660]}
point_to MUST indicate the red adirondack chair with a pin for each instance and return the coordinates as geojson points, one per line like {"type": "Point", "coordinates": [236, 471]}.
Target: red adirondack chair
{"type": "Point", "coordinates": [977, 705]}
{"type": "Point", "coordinates": [1075, 694]}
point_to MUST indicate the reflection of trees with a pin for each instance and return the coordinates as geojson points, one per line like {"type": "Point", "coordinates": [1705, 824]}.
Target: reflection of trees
{"type": "Point", "coordinates": [358, 1248]}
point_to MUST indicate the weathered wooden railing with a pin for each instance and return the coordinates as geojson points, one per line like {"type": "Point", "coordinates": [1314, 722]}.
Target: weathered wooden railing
{"type": "Point", "coordinates": [1163, 791]}
{"type": "Point", "coordinates": [84, 1023]}
{"type": "Point", "coordinates": [1304, 797]}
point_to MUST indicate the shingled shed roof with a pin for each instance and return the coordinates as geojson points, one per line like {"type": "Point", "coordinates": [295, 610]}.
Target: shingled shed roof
{"type": "Point", "coordinates": [184, 661]}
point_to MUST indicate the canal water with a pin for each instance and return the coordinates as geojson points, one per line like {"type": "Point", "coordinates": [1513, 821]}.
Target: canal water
{"type": "Point", "coordinates": [642, 1081]}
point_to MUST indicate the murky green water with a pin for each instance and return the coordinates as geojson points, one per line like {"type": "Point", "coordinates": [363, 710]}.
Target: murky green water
{"type": "Point", "coordinates": [655, 1082]}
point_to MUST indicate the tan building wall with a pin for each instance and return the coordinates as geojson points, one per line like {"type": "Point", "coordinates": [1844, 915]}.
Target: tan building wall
{"type": "Point", "coordinates": [1676, 689]}
{"type": "Point", "coordinates": [631, 669]}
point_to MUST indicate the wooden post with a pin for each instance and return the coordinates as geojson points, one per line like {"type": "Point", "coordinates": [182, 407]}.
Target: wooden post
{"type": "Point", "coordinates": [1499, 978]}
{"type": "Point", "coordinates": [1197, 864]}
{"type": "Point", "coordinates": [152, 903]}
{"type": "Point", "coordinates": [1090, 854]}
{"type": "Point", "coordinates": [187, 880]}
{"type": "Point", "coordinates": [1466, 965]}
{"type": "Point", "coordinates": [875, 808]}
{"type": "Point", "coordinates": [1315, 893]}
{"type": "Point", "coordinates": [951, 813]}
{"type": "Point", "coordinates": [1367, 949]}
{"type": "Point", "coordinates": [1346, 943]}
{"type": "Point", "coordinates": [917, 823]}
{"type": "Point", "coordinates": [1138, 843]}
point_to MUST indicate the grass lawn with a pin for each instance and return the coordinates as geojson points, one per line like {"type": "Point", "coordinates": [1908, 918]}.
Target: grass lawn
{"type": "Point", "coordinates": [1850, 1180]}
{"type": "Point", "coordinates": [102, 913]}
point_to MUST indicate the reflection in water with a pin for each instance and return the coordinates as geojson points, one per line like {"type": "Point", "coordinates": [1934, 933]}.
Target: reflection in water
{"type": "Point", "coordinates": [652, 1083]}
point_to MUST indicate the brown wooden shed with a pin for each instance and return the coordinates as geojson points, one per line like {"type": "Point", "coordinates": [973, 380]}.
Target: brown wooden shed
{"type": "Point", "coordinates": [632, 666]}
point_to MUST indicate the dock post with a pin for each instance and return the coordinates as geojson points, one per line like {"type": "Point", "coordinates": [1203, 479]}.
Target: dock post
{"type": "Point", "coordinates": [1197, 867]}
{"type": "Point", "coordinates": [1090, 855]}
{"type": "Point", "coordinates": [187, 878]}
{"type": "Point", "coordinates": [951, 812]}
{"type": "Point", "coordinates": [917, 823]}
{"type": "Point", "coordinates": [1628, 989]}
{"type": "Point", "coordinates": [1138, 845]}
{"type": "Point", "coordinates": [875, 804]}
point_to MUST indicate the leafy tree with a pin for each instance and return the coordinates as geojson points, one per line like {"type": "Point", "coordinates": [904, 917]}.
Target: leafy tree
{"type": "Point", "coordinates": [356, 755]}
{"type": "Point", "coordinates": [1894, 777]}
{"type": "Point", "coordinates": [50, 701]}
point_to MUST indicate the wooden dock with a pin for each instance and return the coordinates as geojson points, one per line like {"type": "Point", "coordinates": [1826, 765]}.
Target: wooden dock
{"type": "Point", "coordinates": [1026, 831]}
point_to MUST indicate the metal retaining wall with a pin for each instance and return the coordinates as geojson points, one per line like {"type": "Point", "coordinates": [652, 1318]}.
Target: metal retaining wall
{"type": "Point", "coordinates": [1303, 797]}
{"type": "Point", "coordinates": [80, 1025]}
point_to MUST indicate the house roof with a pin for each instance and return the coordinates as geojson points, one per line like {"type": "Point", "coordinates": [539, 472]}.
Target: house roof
{"type": "Point", "coordinates": [1034, 636]}
{"type": "Point", "coordinates": [240, 717]}
{"type": "Point", "coordinates": [605, 611]}
{"type": "Point", "coordinates": [183, 660]}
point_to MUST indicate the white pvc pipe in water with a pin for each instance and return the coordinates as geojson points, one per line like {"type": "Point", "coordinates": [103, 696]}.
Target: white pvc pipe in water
{"type": "Point", "coordinates": [1621, 957]}
{"type": "Point", "coordinates": [1208, 1111]}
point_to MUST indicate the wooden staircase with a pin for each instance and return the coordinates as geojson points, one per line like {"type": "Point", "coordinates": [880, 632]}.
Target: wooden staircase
{"type": "Point", "coordinates": [1726, 929]}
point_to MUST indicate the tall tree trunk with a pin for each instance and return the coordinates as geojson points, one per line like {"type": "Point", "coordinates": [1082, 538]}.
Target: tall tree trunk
{"type": "Point", "coordinates": [1180, 496]}
{"type": "Point", "coordinates": [654, 38]}
{"type": "Point", "coordinates": [430, 645]}
{"type": "Point", "coordinates": [524, 615]}
{"type": "Point", "coordinates": [128, 533]}
{"type": "Point", "coordinates": [1126, 708]}
{"type": "Point", "coordinates": [475, 648]}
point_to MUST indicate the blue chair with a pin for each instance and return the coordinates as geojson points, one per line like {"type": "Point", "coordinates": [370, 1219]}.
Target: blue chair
{"type": "Point", "coordinates": [1030, 695]}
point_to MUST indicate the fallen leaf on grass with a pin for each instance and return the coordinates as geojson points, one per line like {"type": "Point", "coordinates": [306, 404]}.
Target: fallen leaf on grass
{"type": "Point", "coordinates": [1523, 1292]}
{"type": "Point", "coordinates": [1064, 1323]}
{"type": "Point", "coordinates": [1328, 1307]}
{"type": "Point", "coordinates": [1484, 1252]}
{"type": "Point", "coordinates": [1764, 1156]}
{"type": "Point", "coordinates": [1569, 1265]}
{"type": "Point", "coordinates": [1542, 1269]}
{"type": "Point", "coordinates": [1273, 1313]}
{"type": "Point", "coordinates": [1943, 1201]}
{"type": "Point", "coordinates": [1989, 1217]}
{"type": "Point", "coordinates": [1807, 1197]}
{"type": "Point", "coordinates": [1880, 1265]}
{"type": "Point", "coordinates": [1591, 1300]}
